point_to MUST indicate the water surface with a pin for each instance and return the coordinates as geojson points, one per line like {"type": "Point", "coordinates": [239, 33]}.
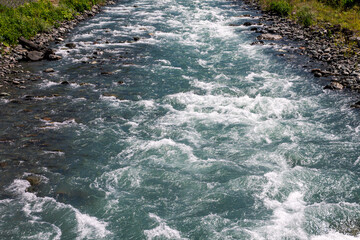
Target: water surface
{"type": "Point", "coordinates": [189, 132]}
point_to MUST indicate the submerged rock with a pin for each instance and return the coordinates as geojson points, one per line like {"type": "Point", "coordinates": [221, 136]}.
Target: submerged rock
{"type": "Point", "coordinates": [70, 45]}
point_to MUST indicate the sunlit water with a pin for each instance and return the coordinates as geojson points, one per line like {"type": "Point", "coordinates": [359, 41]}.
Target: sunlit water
{"type": "Point", "coordinates": [195, 134]}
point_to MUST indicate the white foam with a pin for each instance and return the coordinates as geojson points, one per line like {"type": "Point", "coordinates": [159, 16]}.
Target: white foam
{"type": "Point", "coordinates": [47, 84]}
{"type": "Point", "coordinates": [332, 235]}
{"type": "Point", "coordinates": [57, 125]}
{"type": "Point", "coordinates": [33, 207]}
{"type": "Point", "coordinates": [162, 230]}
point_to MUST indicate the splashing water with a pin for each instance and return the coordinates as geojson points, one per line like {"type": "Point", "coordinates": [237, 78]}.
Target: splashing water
{"type": "Point", "coordinates": [174, 127]}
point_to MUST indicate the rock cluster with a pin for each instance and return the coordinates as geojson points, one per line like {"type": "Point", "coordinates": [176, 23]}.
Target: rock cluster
{"type": "Point", "coordinates": [336, 48]}
{"type": "Point", "coordinates": [37, 48]}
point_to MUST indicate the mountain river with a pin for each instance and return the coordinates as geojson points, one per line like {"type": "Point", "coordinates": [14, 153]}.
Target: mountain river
{"type": "Point", "coordinates": [164, 122]}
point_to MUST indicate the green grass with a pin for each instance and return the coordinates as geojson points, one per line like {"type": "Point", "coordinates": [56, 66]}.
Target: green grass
{"type": "Point", "coordinates": [345, 13]}
{"type": "Point", "coordinates": [34, 17]}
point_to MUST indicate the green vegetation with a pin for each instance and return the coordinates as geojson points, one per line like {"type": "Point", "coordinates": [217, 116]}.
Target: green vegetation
{"type": "Point", "coordinates": [345, 13]}
{"type": "Point", "coordinates": [39, 16]}
{"type": "Point", "coordinates": [281, 8]}
{"type": "Point", "coordinates": [305, 16]}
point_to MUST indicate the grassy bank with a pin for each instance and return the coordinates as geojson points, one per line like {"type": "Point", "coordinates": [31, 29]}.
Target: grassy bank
{"type": "Point", "coordinates": [33, 17]}
{"type": "Point", "coordinates": [345, 13]}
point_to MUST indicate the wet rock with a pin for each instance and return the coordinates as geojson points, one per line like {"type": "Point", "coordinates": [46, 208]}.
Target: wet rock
{"type": "Point", "coordinates": [4, 94]}
{"type": "Point", "coordinates": [54, 57]}
{"type": "Point", "coordinates": [59, 39]}
{"type": "Point", "coordinates": [334, 86]}
{"type": "Point", "coordinates": [247, 24]}
{"type": "Point", "coordinates": [28, 97]}
{"type": "Point", "coordinates": [3, 164]}
{"type": "Point", "coordinates": [257, 43]}
{"type": "Point", "coordinates": [120, 82]}
{"type": "Point", "coordinates": [317, 74]}
{"type": "Point", "coordinates": [15, 82]}
{"type": "Point", "coordinates": [356, 105]}
{"type": "Point", "coordinates": [273, 30]}
{"type": "Point", "coordinates": [34, 180]}
{"type": "Point", "coordinates": [70, 45]}
{"type": "Point", "coordinates": [107, 73]}
{"type": "Point", "coordinates": [136, 39]}
{"type": "Point", "coordinates": [35, 55]}
{"type": "Point", "coordinates": [268, 36]}
{"type": "Point", "coordinates": [98, 52]}
{"type": "Point", "coordinates": [49, 70]}
{"type": "Point", "coordinates": [65, 83]}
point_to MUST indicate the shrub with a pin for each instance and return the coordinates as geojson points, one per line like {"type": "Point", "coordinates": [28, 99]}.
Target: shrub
{"type": "Point", "coordinates": [281, 8]}
{"type": "Point", "coordinates": [305, 16]}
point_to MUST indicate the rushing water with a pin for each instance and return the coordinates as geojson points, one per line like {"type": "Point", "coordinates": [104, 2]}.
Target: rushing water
{"type": "Point", "coordinates": [195, 134]}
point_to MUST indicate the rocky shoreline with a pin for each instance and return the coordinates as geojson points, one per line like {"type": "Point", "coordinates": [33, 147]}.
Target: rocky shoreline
{"type": "Point", "coordinates": [36, 49]}
{"type": "Point", "coordinates": [327, 46]}
{"type": "Point", "coordinates": [332, 47]}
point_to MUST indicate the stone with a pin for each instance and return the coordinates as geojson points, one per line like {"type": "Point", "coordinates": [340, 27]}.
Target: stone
{"type": "Point", "coordinates": [49, 70]}
{"type": "Point", "coordinates": [28, 97]}
{"type": "Point", "coordinates": [29, 44]}
{"type": "Point", "coordinates": [58, 39]}
{"type": "Point", "coordinates": [268, 36]}
{"type": "Point", "coordinates": [317, 74]}
{"type": "Point", "coordinates": [356, 105]}
{"type": "Point", "coordinates": [33, 180]}
{"type": "Point", "coordinates": [120, 82]}
{"type": "Point", "coordinates": [247, 24]}
{"type": "Point", "coordinates": [54, 57]}
{"type": "Point", "coordinates": [35, 55]}
{"type": "Point", "coordinates": [257, 43]}
{"type": "Point", "coordinates": [334, 86]}
{"type": "Point", "coordinates": [65, 83]}
{"type": "Point", "coordinates": [136, 39]}
{"type": "Point", "coordinates": [106, 73]}
{"type": "Point", "coordinates": [4, 94]}
{"type": "Point", "coordinates": [70, 45]}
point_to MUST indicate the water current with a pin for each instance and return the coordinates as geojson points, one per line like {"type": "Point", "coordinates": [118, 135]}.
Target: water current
{"type": "Point", "coordinates": [186, 131]}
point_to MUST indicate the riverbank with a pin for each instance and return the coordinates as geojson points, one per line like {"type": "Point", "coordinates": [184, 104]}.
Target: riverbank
{"type": "Point", "coordinates": [37, 48]}
{"type": "Point", "coordinates": [333, 47]}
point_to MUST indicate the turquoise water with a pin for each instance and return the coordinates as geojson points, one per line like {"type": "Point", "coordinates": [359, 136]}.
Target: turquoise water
{"type": "Point", "coordinates": [195, 134]}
